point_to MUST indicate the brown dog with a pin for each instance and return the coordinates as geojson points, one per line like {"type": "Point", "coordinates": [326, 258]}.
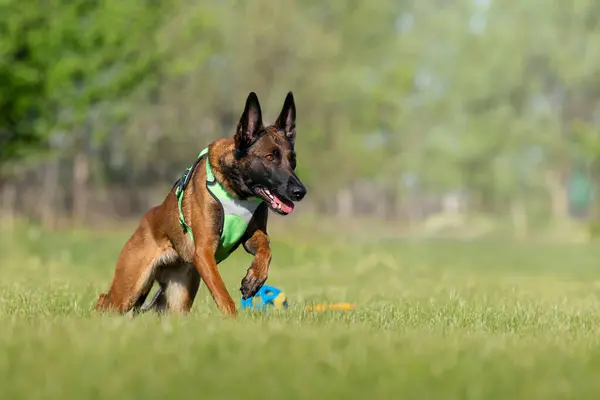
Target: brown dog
{"type": "Point", "coordinates": [219, 203]}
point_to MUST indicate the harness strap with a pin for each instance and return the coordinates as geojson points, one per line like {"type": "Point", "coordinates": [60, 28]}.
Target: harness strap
{"type": "Point", "coordinates": [182, 185]}
{"type": "Point", "coordinates": [184, 225]}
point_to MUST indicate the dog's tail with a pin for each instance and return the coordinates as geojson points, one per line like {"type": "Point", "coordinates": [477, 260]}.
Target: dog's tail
{"type": "Point", "coordinates": [154, 301]}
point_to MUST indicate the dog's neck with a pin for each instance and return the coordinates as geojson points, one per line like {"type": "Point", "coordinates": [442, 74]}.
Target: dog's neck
{"type": "Point", "coordinates": [223, 164]}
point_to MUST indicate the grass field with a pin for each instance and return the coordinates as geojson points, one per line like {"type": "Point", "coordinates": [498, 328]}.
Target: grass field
{"type": "Point", "coordinates": [435, 320]}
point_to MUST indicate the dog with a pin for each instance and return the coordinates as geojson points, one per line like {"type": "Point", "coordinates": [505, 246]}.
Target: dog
{"type": "Point", "coordinates": [220, 202]}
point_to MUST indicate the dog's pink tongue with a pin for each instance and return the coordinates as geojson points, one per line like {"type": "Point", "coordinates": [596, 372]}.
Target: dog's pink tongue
{"type": "Point", "coordinates": [284, 207]}
{"type": "Point", "coordinates": [287, 209]}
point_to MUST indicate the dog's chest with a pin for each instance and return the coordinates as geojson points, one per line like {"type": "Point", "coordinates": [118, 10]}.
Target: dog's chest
{"type": "Point", "coordinates": [236, 217]}
{"type": "Point", "coordinates": [243, 209]}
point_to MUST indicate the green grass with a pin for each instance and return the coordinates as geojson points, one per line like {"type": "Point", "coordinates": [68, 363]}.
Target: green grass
{"type": "Point", "coordinates": [435, 320]}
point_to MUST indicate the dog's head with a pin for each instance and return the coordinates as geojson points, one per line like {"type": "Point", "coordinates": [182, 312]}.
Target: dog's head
{"type": "Point", "coordinates": [266, 156]}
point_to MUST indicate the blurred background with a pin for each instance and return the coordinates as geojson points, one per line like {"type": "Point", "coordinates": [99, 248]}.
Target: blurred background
{"type": "Point", "coordinates": [458, 117]}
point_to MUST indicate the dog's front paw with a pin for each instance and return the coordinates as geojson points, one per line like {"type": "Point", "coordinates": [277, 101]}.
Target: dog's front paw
{"type": "Point", "coordinates": [251, 284]}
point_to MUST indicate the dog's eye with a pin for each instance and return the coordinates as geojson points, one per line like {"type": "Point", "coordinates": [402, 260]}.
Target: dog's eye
{"type": "Point", "coordinates": [270, 157]}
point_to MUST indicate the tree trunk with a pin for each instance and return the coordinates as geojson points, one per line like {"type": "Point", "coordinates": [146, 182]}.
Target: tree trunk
{"type": "Point", "coordinates": [48, 201]}
{"type": "Point", "coordinates": [8, 199]}
{"type": "Point", "coordinates": [81, 168]}
{"type": "Point", "coordinates": [519, 217]}
{"type": "Point", "coordinates": [391, 203]}
{"type": "Point", "coordinates": [557, 190]}
{"type": "Point", "coordinates": [344, 203]}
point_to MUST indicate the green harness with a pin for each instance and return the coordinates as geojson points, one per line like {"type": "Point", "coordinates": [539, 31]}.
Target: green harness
{"type": "Point", "coordinates": [235, 213]}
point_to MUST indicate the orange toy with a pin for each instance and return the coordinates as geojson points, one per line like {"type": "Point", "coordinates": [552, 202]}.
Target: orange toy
{"type": "Point", "coordinates": [332, 306]}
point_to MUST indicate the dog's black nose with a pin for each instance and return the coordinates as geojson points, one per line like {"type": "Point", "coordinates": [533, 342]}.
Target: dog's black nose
{"type": "Point", "coordinates": [297, 192]}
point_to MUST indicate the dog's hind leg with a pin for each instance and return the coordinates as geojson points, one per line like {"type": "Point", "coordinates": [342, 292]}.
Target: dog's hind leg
{"type": "Point", "coordinates": [181, 288]}
{"type": "Point", "coordinates": [179, 285]}
{"type": "Point", "coordinates": [135, 271]}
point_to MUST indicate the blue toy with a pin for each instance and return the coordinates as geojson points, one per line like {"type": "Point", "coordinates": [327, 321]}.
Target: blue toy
{"type": "Point", "coordinates": [267, 296]}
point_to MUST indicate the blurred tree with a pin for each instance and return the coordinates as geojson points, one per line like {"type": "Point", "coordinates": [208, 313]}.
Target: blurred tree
{"type": "Point", "coordinates": [74, 65]}
{"type": "Point", "coordinates": [396, 100]}
{"type": "Point", "coordinates": [22, 86]}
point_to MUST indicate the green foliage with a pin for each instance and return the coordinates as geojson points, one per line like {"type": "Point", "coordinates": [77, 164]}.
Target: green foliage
{"type": "Point", "coordinates": [21, 79]}
{"type": "Point", "coordinates": [63, 63]}
{"type": "Point", "coordinates": [494, 99]}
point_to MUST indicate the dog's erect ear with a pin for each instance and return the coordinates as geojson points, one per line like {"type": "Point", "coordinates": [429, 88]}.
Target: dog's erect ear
{"type": "Point", "coordinates": [287, 118]}
{"type": "Point", "coordinates": [249, 125]}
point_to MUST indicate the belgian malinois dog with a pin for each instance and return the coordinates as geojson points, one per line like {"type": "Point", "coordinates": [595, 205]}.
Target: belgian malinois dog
{"type": "Point", "coordinates": [222, 201]}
